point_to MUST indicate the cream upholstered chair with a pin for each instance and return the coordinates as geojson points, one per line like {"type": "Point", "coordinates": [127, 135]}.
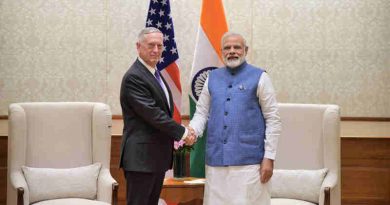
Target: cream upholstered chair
{"type": "Point", "coordinates": [59, 154]}
{"type": "Point", "coordinates": [307, 166]}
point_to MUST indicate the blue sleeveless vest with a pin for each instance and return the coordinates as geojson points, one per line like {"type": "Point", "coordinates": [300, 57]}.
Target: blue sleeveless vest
{"type": "Point", "coordinates": [236, 127]}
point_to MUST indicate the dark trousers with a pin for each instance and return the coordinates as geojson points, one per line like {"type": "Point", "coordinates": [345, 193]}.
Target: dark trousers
{"type": "Point", "coordinates": [143, 188]}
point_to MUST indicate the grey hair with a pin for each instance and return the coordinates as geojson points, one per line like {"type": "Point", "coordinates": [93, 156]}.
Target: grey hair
{"type": "Point", "coordinates": [145, 31]}
{"type": "Point", "coordinates": [229, 34]}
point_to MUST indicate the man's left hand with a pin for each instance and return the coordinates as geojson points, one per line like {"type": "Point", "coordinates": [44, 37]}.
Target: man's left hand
{"type": "Point", "coordinates": [266, 170]}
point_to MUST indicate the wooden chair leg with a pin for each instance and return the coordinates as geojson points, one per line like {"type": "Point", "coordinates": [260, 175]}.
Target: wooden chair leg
{"type": "Point", "coordinates": [20, 199]}
{"type": "Point", "coordinates": [115, 187]}
{"type": "Point", "coordinates": [327, 196]}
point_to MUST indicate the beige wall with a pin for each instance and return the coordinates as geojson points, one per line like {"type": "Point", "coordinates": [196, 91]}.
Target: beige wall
{"type": "Point", "coordinates": [320, 51]}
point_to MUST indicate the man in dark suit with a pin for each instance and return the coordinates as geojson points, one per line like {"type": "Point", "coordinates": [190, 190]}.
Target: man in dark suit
{"type": "Point", "coordinates": [149, 130]}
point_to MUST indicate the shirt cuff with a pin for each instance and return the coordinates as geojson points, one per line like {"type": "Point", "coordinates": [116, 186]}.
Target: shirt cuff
{"type": "Point", "coordinates": [185, 134]}
{"type": "Point", "coordinates": [270, 155]}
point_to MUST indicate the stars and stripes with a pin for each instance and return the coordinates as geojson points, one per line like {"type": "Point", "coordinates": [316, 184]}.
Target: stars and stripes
{"type": "Point", "coordinates": [159, 16]}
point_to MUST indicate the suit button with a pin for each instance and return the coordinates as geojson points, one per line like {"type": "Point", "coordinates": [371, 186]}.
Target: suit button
{"type": "Point", "coordinates": [226, 113]}
{"type": "Point", "coordinates": [224, 127]}
{"type": "Point", "coordinates": [228, 99]}
{"type": "Point", "coordinates": [230, 86]}
{"type": "Point", "coordinates": [224, 141]}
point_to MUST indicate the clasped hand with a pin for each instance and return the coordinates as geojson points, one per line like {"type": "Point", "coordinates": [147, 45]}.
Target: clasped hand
{"type": "Point", "coordinates": [191, 136]}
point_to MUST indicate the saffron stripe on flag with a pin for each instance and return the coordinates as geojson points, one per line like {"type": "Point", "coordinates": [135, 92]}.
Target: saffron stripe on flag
{"type": "Point", "coordinates": [213, 22]}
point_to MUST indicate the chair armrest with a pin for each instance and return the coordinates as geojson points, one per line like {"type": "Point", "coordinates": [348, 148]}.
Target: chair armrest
{"type": "Point", "coordinates": [329, 193]}
{"type": "Point", "coordinates": [20, 190]}
{"type": "Point", "coordinates": [105, 186]}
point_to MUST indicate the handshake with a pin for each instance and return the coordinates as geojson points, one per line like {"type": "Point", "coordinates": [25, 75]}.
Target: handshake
{"type": "Point", "coordinates": [191, 138]}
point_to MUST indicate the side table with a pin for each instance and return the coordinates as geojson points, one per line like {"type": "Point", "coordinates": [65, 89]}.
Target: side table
{"type": "Point", "coordinates": [185, 191]}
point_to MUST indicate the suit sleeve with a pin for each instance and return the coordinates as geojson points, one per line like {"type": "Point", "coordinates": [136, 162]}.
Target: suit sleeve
{"type": "Point", "coordinates": [145, 106]}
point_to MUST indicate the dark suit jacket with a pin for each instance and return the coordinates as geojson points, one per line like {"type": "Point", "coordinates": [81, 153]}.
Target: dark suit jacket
{"type": "Point", "coordinates": [149, 130]}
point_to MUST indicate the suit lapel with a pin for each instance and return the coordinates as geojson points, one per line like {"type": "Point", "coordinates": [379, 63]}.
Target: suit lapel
{"type": "Point", "coordinates": [150, 78]}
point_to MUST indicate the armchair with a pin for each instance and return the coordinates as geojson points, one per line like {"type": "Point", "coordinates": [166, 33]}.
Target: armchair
{"type": "Point", "coordinates": [308, 153]}
{"type": "Point", "coordinates": [64, 139]}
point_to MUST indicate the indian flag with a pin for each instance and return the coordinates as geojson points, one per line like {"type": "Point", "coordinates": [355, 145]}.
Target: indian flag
{"type": "Point", "coordinates": [208, 56]}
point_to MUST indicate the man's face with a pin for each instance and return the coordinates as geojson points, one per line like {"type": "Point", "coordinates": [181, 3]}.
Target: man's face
{"type": "Point", "coordinates": [233, 51]}
{"type": "Point", "coordinates": [150, 48]}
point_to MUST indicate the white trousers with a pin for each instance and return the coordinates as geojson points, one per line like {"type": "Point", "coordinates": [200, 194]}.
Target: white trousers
{"type": "Point", "coordinates": [235, 185]}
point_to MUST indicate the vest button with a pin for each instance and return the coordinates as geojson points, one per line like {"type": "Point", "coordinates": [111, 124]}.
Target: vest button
{"type": "Point", "coordinates": [226, 113]}
{"type": "Point", "coordinates": [230, 86]}
{"type": "Point", "coordinates": [224, 127]}
{"type": "Point", "coordinates": [224, 141]}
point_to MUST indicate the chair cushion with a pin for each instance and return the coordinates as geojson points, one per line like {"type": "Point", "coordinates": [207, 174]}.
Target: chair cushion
{"type": "Point", "coordinates": [71, 201]}
{"type": "Point", "coordinates": [297, 184]}
{"type": "Point", "coordinates": [49, 183]}
{"type": "Point", "coordinates": [278, 201]}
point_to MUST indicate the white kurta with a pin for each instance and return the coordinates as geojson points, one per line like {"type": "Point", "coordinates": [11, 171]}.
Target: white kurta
{"type": "Point", "coordinates": [240, 185]}
{"type": "Point", "coordinates": [235, 185]}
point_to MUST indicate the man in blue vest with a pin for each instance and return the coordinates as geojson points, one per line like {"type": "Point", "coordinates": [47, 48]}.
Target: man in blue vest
{"type": "Point", "coordinates": [238, 103]}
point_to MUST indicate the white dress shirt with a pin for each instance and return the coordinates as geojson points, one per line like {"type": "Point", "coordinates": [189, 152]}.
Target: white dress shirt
{"type": "Point", "coordinates": [269, 107]}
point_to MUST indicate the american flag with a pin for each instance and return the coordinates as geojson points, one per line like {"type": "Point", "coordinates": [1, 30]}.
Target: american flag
{"type": "Point", "coordinates": [159, 16]}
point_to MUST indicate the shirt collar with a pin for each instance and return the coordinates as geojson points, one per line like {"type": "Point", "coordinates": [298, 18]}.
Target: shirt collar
{"type": "Point", "coordinates": [150, 68]}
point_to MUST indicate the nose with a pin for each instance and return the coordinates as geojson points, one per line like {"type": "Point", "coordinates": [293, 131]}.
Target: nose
{"type": "Point", "coordinates": [232, 50]}
{"type": "Point", "coordinates": [155, 48]}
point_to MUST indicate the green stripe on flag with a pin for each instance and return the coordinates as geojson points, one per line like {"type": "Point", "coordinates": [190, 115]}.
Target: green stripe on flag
{"type": "Point", "coordinates": [197, 156]}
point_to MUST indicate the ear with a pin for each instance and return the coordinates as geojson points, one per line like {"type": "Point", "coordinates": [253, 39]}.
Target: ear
{"type": "Point", "coordinates": [138, 44]}
{"type": "Point", "coordinates": [246, 50]}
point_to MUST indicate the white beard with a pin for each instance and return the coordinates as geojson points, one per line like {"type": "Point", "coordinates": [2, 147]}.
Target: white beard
{"type": "Point", "coordinates": [234, 63]}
